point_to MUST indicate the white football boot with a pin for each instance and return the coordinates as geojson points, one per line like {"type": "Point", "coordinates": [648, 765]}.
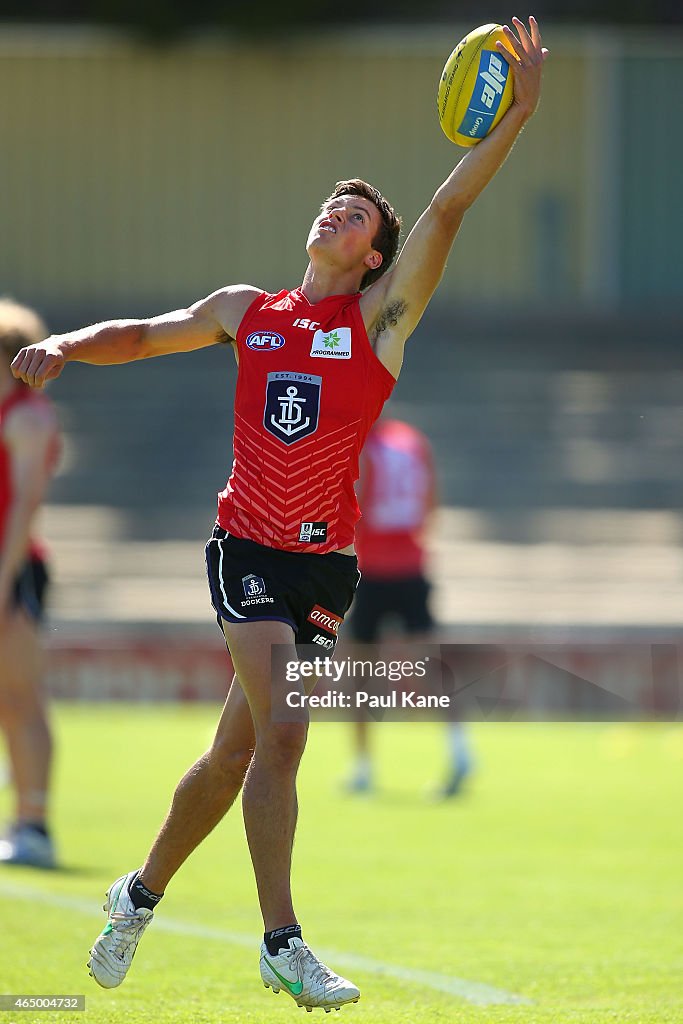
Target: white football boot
{"type": "Point", "coordinates": [114, 948]}
{"type": "Point", "coordinates": [309, 982]}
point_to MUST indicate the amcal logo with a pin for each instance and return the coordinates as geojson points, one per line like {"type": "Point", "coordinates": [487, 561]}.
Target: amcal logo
{"type": "Point", "coordinates": [494, 79]}
{"type": "Point", "coordinates": [326, 620]}
{"type": "Point", "coordinates": [263, 341]}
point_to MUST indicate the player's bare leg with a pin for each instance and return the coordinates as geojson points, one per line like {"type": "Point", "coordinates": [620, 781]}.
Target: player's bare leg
{"type": "Point", "coordinates": [202, 798]}
{"type": "Point", "coordinates": [204, 794]}
{"type": "Point", "coordinates": [269, 796]}
{"type": "Point", "coordinates": [24, 720]}
{"type": "Point", "coordinates": [270, 811]}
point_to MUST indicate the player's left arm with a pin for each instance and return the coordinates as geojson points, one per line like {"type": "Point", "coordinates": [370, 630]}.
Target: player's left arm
{"type": "Point", "coordinates": [393, 306]}
{"type": "Point", "coordinates": [28, 436]}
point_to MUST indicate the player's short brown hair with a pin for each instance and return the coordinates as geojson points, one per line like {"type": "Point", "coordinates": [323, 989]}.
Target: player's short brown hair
{"type": "Point", "coordinates": [19, 327]}
{"type": "Point", "coordinates": [386, 239]}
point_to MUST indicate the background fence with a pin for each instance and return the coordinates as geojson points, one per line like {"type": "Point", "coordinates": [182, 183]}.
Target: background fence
{"type": "Point", "coordinates": [138, 178]}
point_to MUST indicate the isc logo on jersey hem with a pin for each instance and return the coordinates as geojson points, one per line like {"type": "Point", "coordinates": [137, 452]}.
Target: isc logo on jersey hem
{"type": "Point", "coordinates": [313, 533]}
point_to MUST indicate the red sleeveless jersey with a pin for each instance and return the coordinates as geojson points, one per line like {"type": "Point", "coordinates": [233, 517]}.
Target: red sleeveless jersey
{"type": "Point", "coordinates": [396, 495]}
{"type": "Point", "coordinates": [21, 395]}
{"type": "Point", "coordinates": [309, 387]}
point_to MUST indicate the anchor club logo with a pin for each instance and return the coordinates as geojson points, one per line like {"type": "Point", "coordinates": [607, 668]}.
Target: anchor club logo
{"type": "Point", "coordinates": [292, 405]}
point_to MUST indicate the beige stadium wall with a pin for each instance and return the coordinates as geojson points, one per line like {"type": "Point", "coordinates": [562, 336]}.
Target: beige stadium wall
{"type": "Point", "coordinates": [151, 177]}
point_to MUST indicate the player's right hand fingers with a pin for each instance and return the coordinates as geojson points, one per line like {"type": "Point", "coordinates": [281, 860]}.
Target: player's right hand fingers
{"type": "Point", "coordinates": [46, 368]}
{"type": "Point", "coordinates": [17, 366]}
{"type": "Point", "coordinates": [38, 365]}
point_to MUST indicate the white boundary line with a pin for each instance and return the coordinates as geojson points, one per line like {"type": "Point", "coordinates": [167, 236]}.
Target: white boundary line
{"type": "Point", "coordinates": [473, 991]}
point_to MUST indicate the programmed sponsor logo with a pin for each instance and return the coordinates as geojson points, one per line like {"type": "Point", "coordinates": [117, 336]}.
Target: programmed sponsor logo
{"type": "Point", "coordinates": [265, 341]}
{"type": "Point", "coordinates": [486, 96]}
{"type": "Point", "coordinates": [334, 344]}
{"type": "Point", "coordinates": [324, 619]}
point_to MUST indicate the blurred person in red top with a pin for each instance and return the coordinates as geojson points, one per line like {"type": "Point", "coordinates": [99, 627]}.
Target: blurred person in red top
{"type": "Point", "coordinates": [29, 443]}
{"type": "Point", "coordinates": [397, 494]}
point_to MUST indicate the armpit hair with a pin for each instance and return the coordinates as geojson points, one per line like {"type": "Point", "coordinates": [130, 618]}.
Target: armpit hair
{"type": "Point", "coordinates": [389, 317]}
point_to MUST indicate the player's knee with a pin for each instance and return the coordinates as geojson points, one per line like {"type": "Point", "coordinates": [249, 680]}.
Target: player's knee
{"type": "Point", "coordinates": [230, 762]}
{"type": "Point", "coordinates": [283, 743]}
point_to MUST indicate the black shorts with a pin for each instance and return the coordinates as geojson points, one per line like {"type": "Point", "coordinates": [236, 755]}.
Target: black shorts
{"type": "Point", "coordinates": [404, 599]}
{"type": "Point", "coordinates": [253, 583]}
{"type": "Point", "coordinates": [30, 588]}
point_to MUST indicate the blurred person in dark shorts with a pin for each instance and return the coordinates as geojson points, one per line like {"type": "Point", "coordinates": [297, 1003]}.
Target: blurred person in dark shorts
{"type": "Point", "coordinates": [397, 496]}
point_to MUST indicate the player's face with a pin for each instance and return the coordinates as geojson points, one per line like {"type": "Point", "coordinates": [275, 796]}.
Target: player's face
{"type": "Point", "coordinates": [344, 231]}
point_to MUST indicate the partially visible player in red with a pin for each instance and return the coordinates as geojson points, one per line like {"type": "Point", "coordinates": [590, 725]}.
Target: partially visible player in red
{"type": "Point", "coordinates": [316, 364]}
{"type": "Point", "coordinates": [397, 494]}
{"type": "Point", "coordinates": [29, 442]}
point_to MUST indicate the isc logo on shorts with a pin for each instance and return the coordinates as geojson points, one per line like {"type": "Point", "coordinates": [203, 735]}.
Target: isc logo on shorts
{"type": "Point", "coordinates": [324, 619]}
{"type": "Point", "coordinates": [312, 533]}
{"type": "Point", "coordinates": [323, 641]}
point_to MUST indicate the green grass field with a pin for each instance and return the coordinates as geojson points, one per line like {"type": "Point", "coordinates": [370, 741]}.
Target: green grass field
{"type": "Point", "coordinates": [556, 878]}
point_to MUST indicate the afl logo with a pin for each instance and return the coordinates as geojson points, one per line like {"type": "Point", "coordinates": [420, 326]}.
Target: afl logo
{"type": "Point", "coordinates": [263, 341]}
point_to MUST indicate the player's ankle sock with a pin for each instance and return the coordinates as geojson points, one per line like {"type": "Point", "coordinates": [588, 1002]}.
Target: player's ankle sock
{"type": "Point", "coordinates": [141, 896]}
{"type": "Point", "coordinates": [279, 938]}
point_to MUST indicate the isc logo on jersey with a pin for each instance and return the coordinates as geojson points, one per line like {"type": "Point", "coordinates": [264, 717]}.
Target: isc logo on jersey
{"type": "Point", "coordinates": [312, 533]}
{"type": "Point", "coordinates": [332, 344]}
{"type": "Point", "coordinates": [263, 341]}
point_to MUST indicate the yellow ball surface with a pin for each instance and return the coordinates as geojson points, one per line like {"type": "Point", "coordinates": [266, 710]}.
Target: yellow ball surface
{"type": "Point", "coordinates": [476, 87]}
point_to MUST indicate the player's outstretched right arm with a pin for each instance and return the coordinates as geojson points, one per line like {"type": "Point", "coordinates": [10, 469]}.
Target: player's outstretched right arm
{"type": "Point", "coordinates": [211, 320]}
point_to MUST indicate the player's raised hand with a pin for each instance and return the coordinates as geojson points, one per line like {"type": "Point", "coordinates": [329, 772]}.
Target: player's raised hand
{"type": "Point", "coordinates": [37, 364]}
{"type": "Point", "coordinates": [526, 62]}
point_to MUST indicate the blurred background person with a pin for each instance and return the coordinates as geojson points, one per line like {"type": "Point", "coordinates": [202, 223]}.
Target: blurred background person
{"type": "Point", "coordinates": [29, 444]}
{"type": "Point", "coordinates": [397, 494]}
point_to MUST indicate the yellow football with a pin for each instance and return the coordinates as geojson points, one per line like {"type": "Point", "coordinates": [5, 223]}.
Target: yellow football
{"type": "Point", "coordinates": [476, 87]}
